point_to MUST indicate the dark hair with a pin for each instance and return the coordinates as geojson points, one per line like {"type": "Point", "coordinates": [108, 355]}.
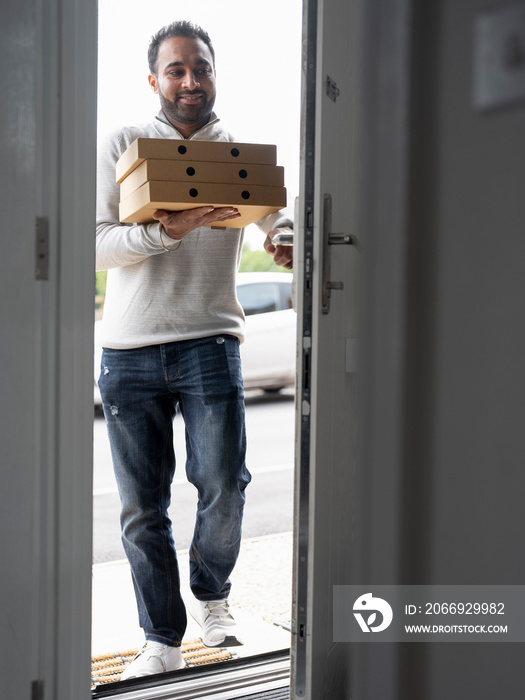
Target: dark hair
{"type": "Point", "coordinates": [180, 28]}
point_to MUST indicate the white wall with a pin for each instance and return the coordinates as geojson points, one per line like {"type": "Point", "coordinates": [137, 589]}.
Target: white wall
{"type": "Point", "coordinates": [460, 410]}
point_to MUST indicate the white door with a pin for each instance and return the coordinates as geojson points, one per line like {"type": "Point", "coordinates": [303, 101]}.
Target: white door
{"type": "Point", "coordinates": [47, 142]}
{"type": "Point", "coordinates": [433, 490]}
{"type": "Point", "coordinates": [351, 269]}
{"type": "Point", "coordinates": [327, 274]}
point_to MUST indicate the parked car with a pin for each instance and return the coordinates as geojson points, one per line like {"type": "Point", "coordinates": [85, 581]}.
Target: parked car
{"type": "Point", "coordinates": [268, 352]}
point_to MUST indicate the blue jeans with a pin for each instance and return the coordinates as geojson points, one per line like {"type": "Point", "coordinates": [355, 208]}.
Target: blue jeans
{"type": "Point", "coordinates": [141, 389]}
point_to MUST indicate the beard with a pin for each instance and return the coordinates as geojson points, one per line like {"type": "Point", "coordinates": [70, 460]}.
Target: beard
{"type": "Point", "coordinates": [188, 114]}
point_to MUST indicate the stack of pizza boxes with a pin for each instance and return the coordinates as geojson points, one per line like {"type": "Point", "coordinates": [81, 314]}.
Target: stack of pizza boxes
{"type": "Point", "coordinates": [175, 175]}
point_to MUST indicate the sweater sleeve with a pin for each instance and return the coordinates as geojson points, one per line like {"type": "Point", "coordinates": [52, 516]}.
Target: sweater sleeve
{"type": "Point", "coordinates": [118, 245]}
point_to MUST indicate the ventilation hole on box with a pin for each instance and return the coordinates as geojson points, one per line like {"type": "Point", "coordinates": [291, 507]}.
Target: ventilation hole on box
{"type": "Point", "coordinates": [243, 174]}
{"type": "Point", "coordinates": [245, 194]}
{"type": "Point", "coordinates": [194, 192]}
{"type": "Point", "coordinates": [182, 149]}
{"type": "Point", "coordinates": [190, 171]}
{"type": "Point", "coordinates": [235, 152]}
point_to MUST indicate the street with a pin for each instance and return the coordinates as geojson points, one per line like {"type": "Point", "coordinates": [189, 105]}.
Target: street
{"type": "Point", "coordinates": [269, 497]}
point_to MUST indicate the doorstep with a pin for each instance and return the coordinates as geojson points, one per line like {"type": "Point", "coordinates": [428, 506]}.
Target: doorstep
{"type": "Point", "coordinates": [115, 621]}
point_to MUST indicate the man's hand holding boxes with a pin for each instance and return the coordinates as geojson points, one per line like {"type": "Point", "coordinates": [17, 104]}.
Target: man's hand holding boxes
{"type": "Point", "coordinates": [176, 175]}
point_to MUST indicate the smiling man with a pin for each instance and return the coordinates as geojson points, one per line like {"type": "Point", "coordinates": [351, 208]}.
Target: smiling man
{"type": "Point", "coordinates": [170, 335]}
{"type": "Point", "coordinates": [183, 76]}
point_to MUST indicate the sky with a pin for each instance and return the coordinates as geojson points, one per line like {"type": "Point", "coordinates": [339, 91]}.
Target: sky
{"type": "Point", "coordinates": [258, 63]}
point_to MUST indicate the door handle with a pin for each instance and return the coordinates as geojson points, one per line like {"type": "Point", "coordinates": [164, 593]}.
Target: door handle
{"type": "Point", "coordinates": [330, 239]}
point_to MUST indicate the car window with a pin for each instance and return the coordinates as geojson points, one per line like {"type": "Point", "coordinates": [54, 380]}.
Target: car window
{"type": "Point", "coordinates": [259, 298]}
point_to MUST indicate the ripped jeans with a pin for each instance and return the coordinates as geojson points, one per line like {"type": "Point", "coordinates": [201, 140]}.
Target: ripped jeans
{"type": "Point", "coordinates": [141, 389]}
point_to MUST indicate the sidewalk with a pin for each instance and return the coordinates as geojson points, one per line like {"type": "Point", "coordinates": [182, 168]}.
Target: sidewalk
{"type": "Point", "coordinates": [261, 596]}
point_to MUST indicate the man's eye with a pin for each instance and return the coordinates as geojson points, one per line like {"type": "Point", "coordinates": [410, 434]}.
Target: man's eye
{"type": "Point", "coordinates": [203, 72]}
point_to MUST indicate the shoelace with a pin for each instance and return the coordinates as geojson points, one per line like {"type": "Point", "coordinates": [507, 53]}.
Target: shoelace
{"type": "Point", "coordinates": [218, 608]}
{"type": "Point", "coordinates": [151, 649]}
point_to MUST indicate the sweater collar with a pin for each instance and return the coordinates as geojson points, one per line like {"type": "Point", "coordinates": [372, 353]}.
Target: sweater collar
{"type": "Point", "coordinates": [214, 119]}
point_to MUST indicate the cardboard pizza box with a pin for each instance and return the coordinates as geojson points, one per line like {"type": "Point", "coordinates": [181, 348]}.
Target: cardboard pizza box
{"type": "Point", "coordinates": [201, 171]}
{"type": "Point", "coordinates": [177, 149]}
{"type": "Point", "coordinates": [253, 201]}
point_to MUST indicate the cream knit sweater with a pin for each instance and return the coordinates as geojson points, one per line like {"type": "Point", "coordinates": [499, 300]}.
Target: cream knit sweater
{"type": "Point", "coordinates": [154, 296]}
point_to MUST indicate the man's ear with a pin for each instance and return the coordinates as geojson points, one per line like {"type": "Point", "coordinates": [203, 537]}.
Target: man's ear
{"type": "Point", "coordinates": [152, 80]}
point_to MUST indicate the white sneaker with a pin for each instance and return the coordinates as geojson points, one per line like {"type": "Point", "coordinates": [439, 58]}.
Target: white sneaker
{"type": "Point", "coordinates": [218, 625]}
{"type": "Point", "coordinates": [154, 658]}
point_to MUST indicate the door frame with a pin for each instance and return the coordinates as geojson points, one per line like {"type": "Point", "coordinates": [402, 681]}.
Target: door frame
{"type": "Point", "coordinates": [48, 190]}
{"type": "Point", "coordinates": [63, 198]}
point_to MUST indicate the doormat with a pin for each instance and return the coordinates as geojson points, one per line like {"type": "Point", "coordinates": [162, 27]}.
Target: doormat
{"type": "Point", "coordinates": [107, 668]}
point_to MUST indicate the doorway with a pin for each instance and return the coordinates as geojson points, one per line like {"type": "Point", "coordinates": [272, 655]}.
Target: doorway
{"type": "Point", "coordinates": [124, 33]}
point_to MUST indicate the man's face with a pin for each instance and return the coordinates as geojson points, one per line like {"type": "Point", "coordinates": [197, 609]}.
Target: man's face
{"type": "Point", "coordinates": [185, 83]}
